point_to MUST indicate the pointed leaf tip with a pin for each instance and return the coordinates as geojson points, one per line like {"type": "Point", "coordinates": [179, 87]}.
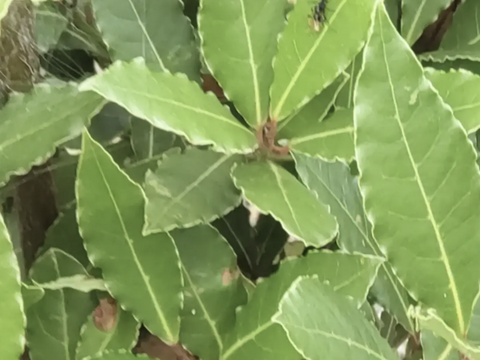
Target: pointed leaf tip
{"type": "Point", "coordinates": [110, 210]}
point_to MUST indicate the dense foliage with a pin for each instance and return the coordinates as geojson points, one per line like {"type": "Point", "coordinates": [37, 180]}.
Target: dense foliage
{"type": "Point", "coordinates": [321, 201]}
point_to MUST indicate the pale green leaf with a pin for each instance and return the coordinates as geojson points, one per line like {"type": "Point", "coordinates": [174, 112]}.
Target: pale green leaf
{"type": "Point", "coordinates": [463, 34]}
{"type": "Point", "coordinates": [313, 112]}
{"type": "Point", "coordinates": [213, 290]}
{"type": "Point", "coordinates": [461, 90]}
{"type": "Point", "coordinates": [239, 41]}
{"type": "Point", "coordinates": [273, 190]}
{"type": "Point", "coordinates": [172, 103]}
{"type": "Point", "coordinates": [49, 26]}
{"type": "Point", "coordinates": [330, 139]}
{"type": "Point", "coordinates": [11, 304]}
{"type": "Point", "coordinates": [123, 335]}
{"type": "Point", "coordinates": [31, 294]}
{"type": "Point", "coordinates": [33, 125]}
{"type": "Point", "coordinates": [309, 60]}
{"type": "Point", "coordinates": [336, 187]}
{"type": "Point", "coordinates": [436, 348]}
{"type": "Point", "coordinates": [323, 324]}
{"type": "Point", "coordinates": [54, 323]}
{"type": "Point", "coordinates": [81, 282]}
{"type": "Point", "coordinates": [419, 178]}
{"type": "Point", "coordinates": [256, 336]}
{"type": "Point", "coordinates": [155, 30]}
{"type": "Point", "coordinates": [189, 189]}
{"type": "Point", "coordinates": [418, 14]}
{"type": "Point", "coordinates": [345, 96]}
{"type": "Point", "coordinates": [141, 272]}
{"type": "Point", "coordinates": [429, 320]}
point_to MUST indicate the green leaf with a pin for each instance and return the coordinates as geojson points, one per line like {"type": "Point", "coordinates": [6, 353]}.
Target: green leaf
{"type": "Point", "coordinates": [429, 320]}
{"type": "Point", "coordinates": [419, 178]}
{"type": "Point", "coordinates": [417, 15]}
{"type": "Point", "coordinates": [239, 41]}
{"type": "Point", "coordinates": [462, 35]}
{"type": "Point", "coordinates": [275, 191]}
{"type": "Point", "coordinates": [49, 26]}
{"type": "Point", "coordinates": [11, 309]}
{"type": "Point", "coordinates": [256, 336]}
{"type": "Point", "coordinates": [345, 96]}
{"type": "Point", "coordinates": [256, 246]}
{"type": "Point", "coordinates": [122, 336]}
{"type": "Point", "coordinates": [436, 348]}
{"type": "Point", "coordinates": [334, 186]}
{"type": "Point", "coordinates": [81, 282]}
{"type": "Point", "coordinates": [31, 294]}
{"type": "Point", "coordinates": [323, 324]}
{"type": "Point", "coordinates": [54, 323]}
{"type": "Point", "coordinates": [313, 112]}
{"type": "Point", "coordinates": [189, 189]}
{"type": "Point", "coordinates": [148, 141]}
{"type": "Point", "coordinates": [213, 290]}
{"type": "Point", "coordinates": [331, 139]}
{"type": "Point", "coordinates": [301, 68]}
{"type": "Point", "coordinates": [169, 102]}
{"type": "Point", "coordinates": [110, 217]}
{"type": "Point", "coordinates": [64, 235]}
{"type": "Point", "coordinates": [155, 30]}
{"type": "Point", "coordinates": [33, 125]}
{"type": "Point", "coordinates": [460, 90]}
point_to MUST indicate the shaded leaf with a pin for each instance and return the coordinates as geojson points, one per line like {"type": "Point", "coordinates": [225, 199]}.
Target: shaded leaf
{"type": "Point", "coordinates": [155, 30]}
{"type": "Point", "coordinates": [429, 320]}
{"type": "Point", "coordinates": [301, 69]}
{"type": "Point", "coordinates": [462, 35]}
{"type": "Point", "coordinates": [313, 112]}
{"type": "Point", "coordinates": [418, 177]}
{"type": "Point", "coordinates": [331, 139]}
{"type": "Point", "coordinates": [54, 323]}
{"type": "Point", "coordinates": [256, 336]}
{"type": "Point", "coordinates": [460, 90]}
{"type": "Point", "coordinates": [49, 26]}
{"type": "Point", "coordinates": [33, 125]}
{"type": "Point", "coordinates": [319, 321]}
{"type": "Point", "coordinates": [64, 235]}
{"type": "Point", "coordinates": [31, 294]}
{"type": "Point", "coordinates": [168, 102]}
{"type": "Point", "coordinates": [256, 247]}
{"type": "Point", "coordinates": [345, 96]}
{"type": "Point", "coordinates": [122, 336]}
{"type": "Point", "coordinates": [417, 15]}
{"type": "Point", "coordinates": [118, 355]}
{"type": "Point", "coordinates": [436, 348]}
{"type": "Point", "coordinates": [239, 41]}
{"type": "Point", "coordinates": [275, 191]}
{"type": "Point", "coordinates": [213, 290]}
{"type": "Point", "coordinates": [11, 304]}
{"type": "Point", "coordinates": [334, 186]}
{"type": "Point", "coordinates": [135, 267]}
{"type": "Point", "coordinates": [189, 189]}
{"type": "Point", "coordinates": [149, 141]}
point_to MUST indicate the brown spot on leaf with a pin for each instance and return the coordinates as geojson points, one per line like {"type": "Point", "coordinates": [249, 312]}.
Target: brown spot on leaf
{"type": "Point", "coordinates": [105, 314]}
{"type": "Point", "coordinates": [228, 275]}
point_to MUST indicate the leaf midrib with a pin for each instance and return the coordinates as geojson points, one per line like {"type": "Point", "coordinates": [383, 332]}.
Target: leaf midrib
{"type": "Point", "coordinates": [129, 242]}
{"type": "Point", "coordinates": [431, 218]}
{"type": "Point", "coordinates": [303, 64]}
